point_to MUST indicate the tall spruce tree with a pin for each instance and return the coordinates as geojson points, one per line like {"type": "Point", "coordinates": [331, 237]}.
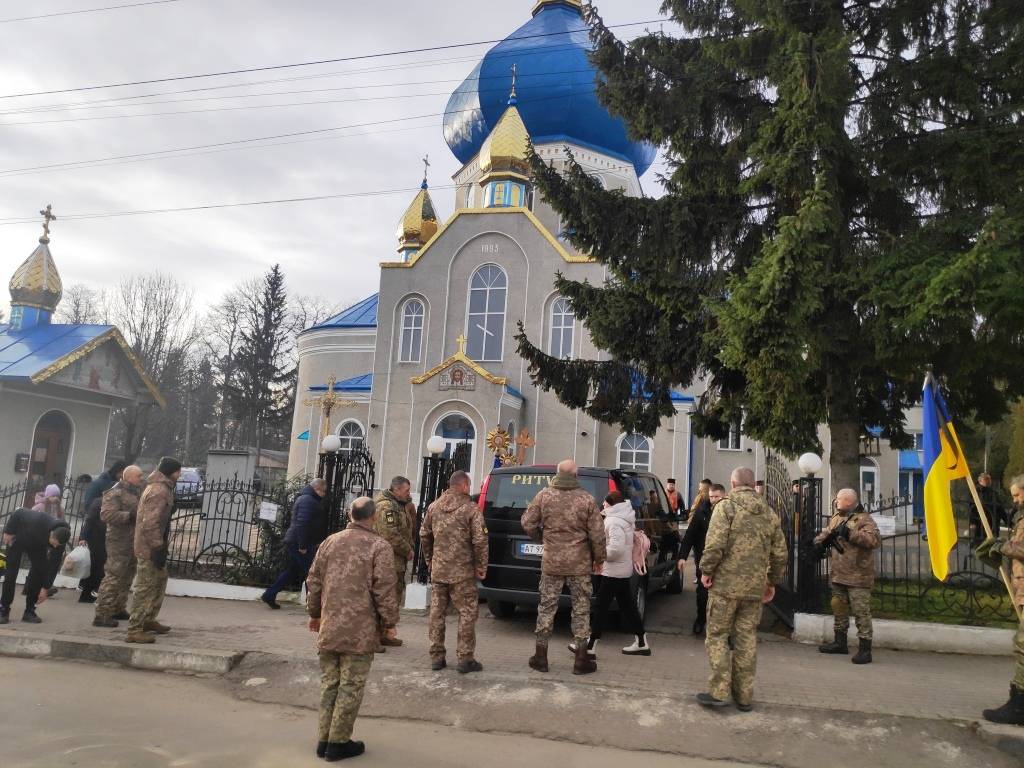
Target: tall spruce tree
{"type": "Point", "coordinates": [844, 208]}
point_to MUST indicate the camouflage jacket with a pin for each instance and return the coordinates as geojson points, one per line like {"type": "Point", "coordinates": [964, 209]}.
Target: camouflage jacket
{"type": "Point", "coordinates": [351, 589]}
{"type": "Point", "coordinates": [453, 538]}
{"type": "Point", "coordinates": [745, 548]}
{"type": "Point", "coordinates": [392, 522]}
{"type": "Point", "coordinates": [565, 518]}
{"type": "Point", "coordinates": [118, 510]}
{"type": "Point", "coordinates": [855, 565]}
{"type": "Point", "coordinates": [154, 517]}
{"type": "Point", "coordinates": [1014, 549]}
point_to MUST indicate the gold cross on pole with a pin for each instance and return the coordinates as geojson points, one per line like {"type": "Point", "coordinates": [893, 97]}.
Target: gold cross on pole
{"type": "Point", "coordinates": [523, 442]}
{"type": "Point", "coordinates": [426, 165]}
{"type": "Point", "coordinates": [48, 216]}
{"type": "Point", "coordinates": [327, 402]}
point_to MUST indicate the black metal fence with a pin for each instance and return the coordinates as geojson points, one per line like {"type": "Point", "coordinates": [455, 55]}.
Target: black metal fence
{"type": "Point", "coordinates": [905, 588]}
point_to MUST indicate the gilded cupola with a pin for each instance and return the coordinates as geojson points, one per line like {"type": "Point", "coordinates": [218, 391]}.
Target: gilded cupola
{"type": "Point", "coordinates": [571, 3]}
{"type": "Point", "coordinates": [505, 151]}
{"type": "Point", "coordinates": [36, 287]}
{"type": "Point", "coordinates": [419, 222]}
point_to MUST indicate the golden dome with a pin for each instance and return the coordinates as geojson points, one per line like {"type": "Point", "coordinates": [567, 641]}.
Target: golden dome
{"type": "Point", "coordinates": [36, 282]}
{"type": "Point", "coordinates": [541, 3]}
{"type": "Point", "coordinates": [504, 151]}
{"type": "Point", "coordinates": [418, 223]}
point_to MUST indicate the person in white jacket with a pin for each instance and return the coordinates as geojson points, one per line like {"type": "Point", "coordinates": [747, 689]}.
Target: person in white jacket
{"type": "Point", "coordinates": [619, 526]}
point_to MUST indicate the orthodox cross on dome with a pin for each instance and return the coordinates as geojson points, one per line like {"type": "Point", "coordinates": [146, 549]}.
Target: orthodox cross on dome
{"type": "Point", "coordinates": [512, 98]}
{"type": "Point", "coordinates": [328, 402]}
{"type": "Point", "coordinates": [48, 216]}
{"type": "Point", "coordinates": [426, 166]}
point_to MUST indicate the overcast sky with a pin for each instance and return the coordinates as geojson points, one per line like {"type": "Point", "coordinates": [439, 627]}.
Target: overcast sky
{"type": "Point", "coordinates": [329, 248]}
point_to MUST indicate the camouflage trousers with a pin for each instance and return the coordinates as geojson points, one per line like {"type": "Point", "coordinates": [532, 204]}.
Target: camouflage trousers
{"type": "Point", "coordinates": [150, 587]}
{"type": "Point", "coordinates": [342, 682]}
{"type": "Point", "coordinates": [112, 597]}
{"type": "Point", "coordinates": [856, 600]}
{"type": "Point", "coordinates": [463, 596]}
{"type": "Point", "coordinates": [580, 589]}
{"type": "Point", "coordinates": [400, 584]}
{"type": "Point", "coordinates": [1018, 651]}
{"type": "Point", "coordinates": [732, 672]}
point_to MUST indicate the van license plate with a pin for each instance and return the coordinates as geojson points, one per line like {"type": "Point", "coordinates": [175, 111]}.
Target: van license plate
{"type": "Point", "coordinates": [527, 548]}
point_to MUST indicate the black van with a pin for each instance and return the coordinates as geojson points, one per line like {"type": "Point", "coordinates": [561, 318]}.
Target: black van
{"type": "Point", "coordinates": [513, 574]}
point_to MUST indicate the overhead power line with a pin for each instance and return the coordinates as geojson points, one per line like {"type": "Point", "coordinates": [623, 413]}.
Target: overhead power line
{"type": "Point", "coordinates": [88, 10]}
{"type": "Point", "coordinates": [268, 68]}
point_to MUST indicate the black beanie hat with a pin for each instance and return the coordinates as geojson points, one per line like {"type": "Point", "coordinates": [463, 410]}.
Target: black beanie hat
{"type": "Point", "coordinates": [168, 466]}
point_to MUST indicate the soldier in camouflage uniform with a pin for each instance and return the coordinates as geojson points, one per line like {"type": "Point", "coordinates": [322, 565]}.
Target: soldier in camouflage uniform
{"type": "Point", "coordinates": [744, 557]}
{"type": "Point", "coordinates": [118, 511]}
{"type": "Point", "coordinates": [852, 572]}
{"type": "Point", "coordinates": [992, 551]}
{"type": "Point", "coordinates": [350, 596]}
{"type": "Point", "coordinates": [565, 518]}
{"type": "Point", "coordinates": [392, 522]}
{"type": "Point", "coordinates": [453, 539]}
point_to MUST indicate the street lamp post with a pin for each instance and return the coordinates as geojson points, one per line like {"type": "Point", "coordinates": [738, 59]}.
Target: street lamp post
{"type": "Point", "coordinates": [806, 566]}
{"type": "Point", "coordinates": [432, 478]}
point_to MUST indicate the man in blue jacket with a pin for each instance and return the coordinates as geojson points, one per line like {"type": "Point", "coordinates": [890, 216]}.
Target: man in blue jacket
{"type": "Point", "coordinates": [300, 541]}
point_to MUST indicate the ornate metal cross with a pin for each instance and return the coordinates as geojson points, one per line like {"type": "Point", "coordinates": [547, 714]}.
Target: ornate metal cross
{"type": "Point", "coordinates": [328, 402]}
{"type": "Point", "coordinates": [523, 442]}
{"type": "Point", "coordinates": [515, 76]}
{"type": "Point", "coordinates": [426, 165]}
{"type": "Point", "coordinates": [48, 216]}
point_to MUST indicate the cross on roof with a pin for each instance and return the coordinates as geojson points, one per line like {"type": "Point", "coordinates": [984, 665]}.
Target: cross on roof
{"type": "Point", "coordinates": [328, 402]}
{"type": "Point", "coordinates": [515, 76]}
{"type": "Point", "coordinates": [461, 341]}
{"type": "Point", "coordinates": [426, 165]}
{"type": "Point", "coordinates": [48, 216]}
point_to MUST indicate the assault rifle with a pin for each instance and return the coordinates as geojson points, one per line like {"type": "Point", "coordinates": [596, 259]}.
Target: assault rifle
{"type": "Point", "coordinates": [836, 537]}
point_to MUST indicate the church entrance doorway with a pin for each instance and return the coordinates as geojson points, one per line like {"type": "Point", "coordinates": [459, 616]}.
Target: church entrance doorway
{"type": "Point", "coordinates": [51, 450]}
{"type": "Point", "coordinates": [456, 429]}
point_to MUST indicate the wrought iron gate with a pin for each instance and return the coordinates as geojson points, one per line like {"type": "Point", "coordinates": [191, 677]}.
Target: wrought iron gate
{"type": "Point", "coordinates": [778, 492]}
{"type": "Point", "coordinates": [349, 475]}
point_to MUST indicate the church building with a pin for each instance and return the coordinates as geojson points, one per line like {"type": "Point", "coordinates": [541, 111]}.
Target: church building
{"type": "Point", "coordinates": [59, 383]}
{"type": "Point", "coordinates": [432, 353]}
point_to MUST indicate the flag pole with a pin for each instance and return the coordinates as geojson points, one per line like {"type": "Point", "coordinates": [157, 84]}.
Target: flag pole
{"type": "Point", "coordinates": [990, 535]}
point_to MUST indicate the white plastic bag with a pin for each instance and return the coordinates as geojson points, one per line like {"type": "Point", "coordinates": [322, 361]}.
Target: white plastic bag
{"type": "Point", "coordinates": [77, 563]}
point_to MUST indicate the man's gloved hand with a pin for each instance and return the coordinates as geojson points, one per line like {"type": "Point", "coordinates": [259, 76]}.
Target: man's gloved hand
{"type": "Point", "coordinates": [843, 530]}
{"type": "Point", "coordinates": [990, 552]}
{"type": "Point", "coordinates": [159, 557]}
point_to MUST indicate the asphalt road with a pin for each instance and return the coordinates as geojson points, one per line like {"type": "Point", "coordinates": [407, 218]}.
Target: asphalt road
{"type": "Point", "coordinates": [71, 714]}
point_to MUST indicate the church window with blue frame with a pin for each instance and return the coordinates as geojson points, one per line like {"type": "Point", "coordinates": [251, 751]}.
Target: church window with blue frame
{"type": "Point", "coordinates": [485, 332]}
{"type": "Point", "coordinates": [563, 322]}
{"type": "Point", "coordinates": [412, 331]}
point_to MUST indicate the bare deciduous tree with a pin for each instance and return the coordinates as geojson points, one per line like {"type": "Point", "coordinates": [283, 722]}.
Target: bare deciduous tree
{"type": "Point", "coordinates": [82, 305]}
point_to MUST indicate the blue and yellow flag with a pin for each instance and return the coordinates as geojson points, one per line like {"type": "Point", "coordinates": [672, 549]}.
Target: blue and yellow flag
{"type": "Point", "coordinates": [943, 462]}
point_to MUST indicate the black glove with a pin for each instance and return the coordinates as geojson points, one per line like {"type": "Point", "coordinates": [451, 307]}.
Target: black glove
{"type": "Point", "coordinates": [843, 530]}
{"type": "Point", "coordinates": [159, 557]}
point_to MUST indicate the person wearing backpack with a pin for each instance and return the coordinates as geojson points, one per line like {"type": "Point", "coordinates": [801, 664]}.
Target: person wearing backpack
{"type": "Point", "coordinates": [616, 574]}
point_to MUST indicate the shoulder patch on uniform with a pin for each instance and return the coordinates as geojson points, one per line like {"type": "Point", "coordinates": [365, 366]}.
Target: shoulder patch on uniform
{"type": "Point", "coordinates": [389, 517]}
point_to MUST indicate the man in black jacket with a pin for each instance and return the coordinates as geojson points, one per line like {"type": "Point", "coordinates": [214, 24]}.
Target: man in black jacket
{"type": "Point", "coordinates": [693, 540]}
{"type": "Point", "coordinates": [102, 484]}
{"type": "Point", "coordinates": [300, 541]}
{"type": "Point", "coordinates": [35, 534]}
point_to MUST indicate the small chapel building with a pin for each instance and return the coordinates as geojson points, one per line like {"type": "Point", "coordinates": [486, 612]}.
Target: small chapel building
{"type": "Point", "coordinates": [432, 353]}
{"type": "Point", "coordinates": [59, 383]}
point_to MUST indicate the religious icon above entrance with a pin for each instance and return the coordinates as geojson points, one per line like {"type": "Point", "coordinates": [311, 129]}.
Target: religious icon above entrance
{"type": "Point", "coordinates": [457, 377]}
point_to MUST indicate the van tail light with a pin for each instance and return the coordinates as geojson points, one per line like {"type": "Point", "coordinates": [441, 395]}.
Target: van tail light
{"type": "Point", "coordinates": [483, 492]}
{"type": "Point", "coordinates": [611, 484]}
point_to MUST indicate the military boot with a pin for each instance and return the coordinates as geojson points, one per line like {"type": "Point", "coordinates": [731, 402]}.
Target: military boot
{"type": "Point", "coordinates": [335, 752]}
{"type": "Point", "coordinates": [5, 615]}
{"type": "Point", "coordinates": [863, 655]}
{"type": "Point", "coordinates": [839, 645]}
{"type": "Point", "coordinates": [139, 636]}
{"type": "Point", "coordinates": [1011, 713]}
{"type": "Point", "coordinates": [539, 660]}
{"type": "Point", "coordinates": [157, 627]}
{"type": "Point", "coordinates": [584, 665]}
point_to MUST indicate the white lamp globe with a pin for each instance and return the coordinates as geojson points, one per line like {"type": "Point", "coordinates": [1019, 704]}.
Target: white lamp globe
{"type": "Point", "coordinates": [435, 445]}
{"type": "Point", "coordinates": [809, 463]}
{"type": "Point", "coordinates": [331, 444]}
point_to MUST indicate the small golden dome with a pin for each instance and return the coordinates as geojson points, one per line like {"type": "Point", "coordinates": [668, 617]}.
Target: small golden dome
{"type": "Point", "coordinates": [36, 282]}
{"type": "Point", "coordinates": [418, 223]}
{"type": "Point", "coordinates": [504, 151]}
{"type": "Point", "coordinates": [541, 3]}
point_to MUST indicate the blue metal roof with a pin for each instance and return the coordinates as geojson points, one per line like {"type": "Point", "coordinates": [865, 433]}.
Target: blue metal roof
{"type": "Point", "coordinates": [556, 90]}
{"type": "Point", "coordinates": [910, 461]}
{"type": "Point", "coordinates": [362, 383]}
{"type": "Point", "coordinates": [27, 352]}
{"type": "Point", "coordinates": [361, 315]}
{"type": "Point", "coordinates": [681, 397]}
{"type": "Point", "coordinates": [514, 392]}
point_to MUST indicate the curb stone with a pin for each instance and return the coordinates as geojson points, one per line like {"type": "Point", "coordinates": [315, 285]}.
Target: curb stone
{"type": "Point", "coordinates": [152, 657]}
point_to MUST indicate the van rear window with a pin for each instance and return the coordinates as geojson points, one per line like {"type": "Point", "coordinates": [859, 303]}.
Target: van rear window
{"type": "Point", "coordinates": [515, 492]}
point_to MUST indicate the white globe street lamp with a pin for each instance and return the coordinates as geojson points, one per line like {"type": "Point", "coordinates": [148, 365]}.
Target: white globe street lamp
{"type": "Point", "coordinates": [331, 444]}
{"type": "Point", "coordinates": [810, 464]}
{"type": "Point", "coordinates": [435, 445]}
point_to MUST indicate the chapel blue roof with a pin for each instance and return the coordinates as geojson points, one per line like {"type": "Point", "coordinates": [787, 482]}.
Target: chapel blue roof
{"type": "Point", "coordinates": [363, 383]}
{"type": "Point", "coordinates": [514, 392]}
{"type": "Point", "coordinates": [361, 315]}
{"type": "Point", "coordinates": [27, 352]}
{"type": "Point", "coordinates": [556, 92]}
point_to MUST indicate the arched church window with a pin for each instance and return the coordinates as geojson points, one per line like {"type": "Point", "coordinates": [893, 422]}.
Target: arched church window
{"type": "Point", "coordinates": [485, 332]}
{"type": "Point", "coordinates": [562, 324]}
{"type": "Point", "coordinates": [635, 453]}
{"type": "Point", "coordinates": [351, 434]}
{"type": "Point", "coordinates": [412, 331]}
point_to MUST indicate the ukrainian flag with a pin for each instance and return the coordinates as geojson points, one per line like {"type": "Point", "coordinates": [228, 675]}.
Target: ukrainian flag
{"type": "Point", "coordinates": [943, 462]}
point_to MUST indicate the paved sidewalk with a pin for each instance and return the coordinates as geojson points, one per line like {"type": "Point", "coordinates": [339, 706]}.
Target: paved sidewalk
{"type": "Point", "coordinates": [898, 683]}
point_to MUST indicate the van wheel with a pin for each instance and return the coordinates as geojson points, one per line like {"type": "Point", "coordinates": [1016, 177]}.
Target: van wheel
{"type": "Point", "coordinates": [500, 609]}
{"type": "Point", "coordinates": [674, 586]}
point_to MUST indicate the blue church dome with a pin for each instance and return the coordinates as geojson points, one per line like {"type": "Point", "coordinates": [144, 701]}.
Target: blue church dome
{"type": "Point", "coordinates": [556, 91]}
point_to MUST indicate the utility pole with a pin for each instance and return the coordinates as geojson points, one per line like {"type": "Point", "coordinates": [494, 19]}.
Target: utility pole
{"type": "Point", "coordinates": [188, 412]}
